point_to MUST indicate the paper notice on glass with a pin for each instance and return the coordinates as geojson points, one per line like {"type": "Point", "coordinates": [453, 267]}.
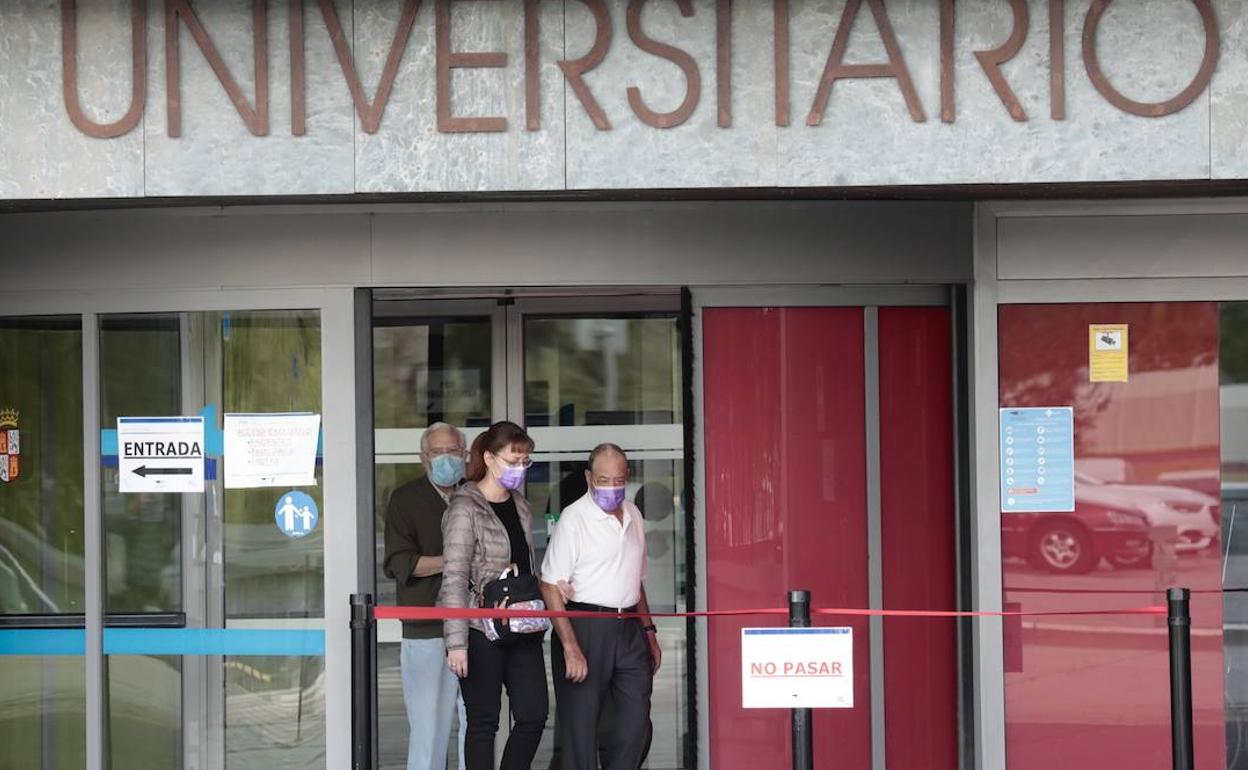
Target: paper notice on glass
{"type": "Point", "coordinates": [1107, 352]}
{"type": "Point", "coordinates": [271, 450]}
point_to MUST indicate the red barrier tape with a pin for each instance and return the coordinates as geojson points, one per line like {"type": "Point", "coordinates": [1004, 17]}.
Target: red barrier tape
{"type": "Point", "coordinates": [484, 613]}
{"type": "Point", "coordinates": [1115, 591]}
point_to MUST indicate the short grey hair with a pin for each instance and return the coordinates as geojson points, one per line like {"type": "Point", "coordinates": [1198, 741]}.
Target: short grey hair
{"type": "Point", "coordinates": [437, 426]}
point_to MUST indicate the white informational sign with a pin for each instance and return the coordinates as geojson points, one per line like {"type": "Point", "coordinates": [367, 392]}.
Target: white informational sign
{"type": "Point", "coordinates": [797, 668]}
{"type": "Point", "coordinates": [271, 450]}
{"type": "Point", "coordinates": [160, 454]}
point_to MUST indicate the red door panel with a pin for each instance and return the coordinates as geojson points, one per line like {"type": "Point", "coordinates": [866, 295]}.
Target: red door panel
{"type": "Point", "coordinates": [786, 507]}
{"type": "Point", "coordinates": [916, 500]}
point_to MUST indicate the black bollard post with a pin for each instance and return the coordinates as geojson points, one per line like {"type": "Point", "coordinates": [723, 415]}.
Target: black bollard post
{"type": "Point", "coordinates": [362, 647]}
{"type": "Point", "coordinates": [1180, 622]}
{"type": "Point", "coordinates": [803, 733]}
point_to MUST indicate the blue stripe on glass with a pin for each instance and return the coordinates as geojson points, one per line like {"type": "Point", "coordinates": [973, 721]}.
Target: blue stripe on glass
{"type": "Point", "coordinates": [43, 641]}
{"type": "Point", "coordinates": [213, 641]}
{"type": "Point", "coordinates": [166, 641]}
{"type": "Point", "coordinates": [788, 631]}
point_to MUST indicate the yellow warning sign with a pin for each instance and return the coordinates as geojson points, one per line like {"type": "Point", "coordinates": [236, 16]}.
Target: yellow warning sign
{"type": "Point", "coordinates": [1107, 352]}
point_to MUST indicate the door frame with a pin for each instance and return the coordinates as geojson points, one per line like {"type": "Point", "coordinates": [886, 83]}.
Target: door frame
{"type": "Point", "coordinates": [338, 309]}
{"type": "Point", "coordinates": [870, 298]}
{"type": "Point", "coordinates": [508, 310]}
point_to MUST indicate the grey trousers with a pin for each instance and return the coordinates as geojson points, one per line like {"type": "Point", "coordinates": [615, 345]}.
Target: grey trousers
{"type": "Point", "coordinates": [621, 672]}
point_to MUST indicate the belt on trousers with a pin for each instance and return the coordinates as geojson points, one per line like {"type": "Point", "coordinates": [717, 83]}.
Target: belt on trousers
{"type": "Point", "coordinates": [583, 607]}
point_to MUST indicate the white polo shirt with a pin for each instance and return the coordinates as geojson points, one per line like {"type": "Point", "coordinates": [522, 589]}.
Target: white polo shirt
{"type": "Point", "coordinates": [603, 558]}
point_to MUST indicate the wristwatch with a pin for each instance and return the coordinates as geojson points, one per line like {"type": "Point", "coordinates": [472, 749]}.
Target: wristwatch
{"type": "Point", "coordinates": [650, 629]}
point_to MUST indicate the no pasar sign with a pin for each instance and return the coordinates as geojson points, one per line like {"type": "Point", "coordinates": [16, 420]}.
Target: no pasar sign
{"type": "Point", "coordinates": [797, 668]}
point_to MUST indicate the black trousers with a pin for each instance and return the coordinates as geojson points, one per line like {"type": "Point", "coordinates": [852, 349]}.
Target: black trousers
{"type": "Point", "coordinates": [521, 668]}
{"type": "Point", "coordinates": [621, 674]}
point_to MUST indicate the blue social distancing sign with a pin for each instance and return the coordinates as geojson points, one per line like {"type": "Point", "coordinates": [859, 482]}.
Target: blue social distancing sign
{"type": "Point", "coordinates": [1037, 459]}
{"type": "Point", "coordinates": [296, 514]}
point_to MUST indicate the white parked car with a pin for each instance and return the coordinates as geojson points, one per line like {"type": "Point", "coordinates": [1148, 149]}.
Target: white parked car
{"type": "Point", "coordinates": [1193, 514]}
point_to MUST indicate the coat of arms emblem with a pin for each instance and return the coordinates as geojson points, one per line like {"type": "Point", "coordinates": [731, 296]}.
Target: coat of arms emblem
{"type": "Point", "coordinates": [10, 446]}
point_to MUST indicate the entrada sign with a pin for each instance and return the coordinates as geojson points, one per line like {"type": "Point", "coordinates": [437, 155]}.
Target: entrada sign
{"type": "Point", "coordinates": [255, 113]}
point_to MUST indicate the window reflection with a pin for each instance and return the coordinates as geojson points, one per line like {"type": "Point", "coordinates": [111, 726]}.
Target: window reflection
{"type": "Point", "coordinates": [1145, 518]}
{"type": "Point", "coordinates": [425, 370]}
{"type": "Point", "coordinates": [1233, 367]}
{"type": "Point", "coordinates": [601, 371]}
{"type": "Point", "coordinates": [140, 375]}
{"type": "Point", "coordinates": [42, 712]}
{"type": "Point", "coordinates": [432, 370]}
{"type": "Point", "coordinates": [41, 542]}
{"type": "Point", "coordinates": [42, 698]}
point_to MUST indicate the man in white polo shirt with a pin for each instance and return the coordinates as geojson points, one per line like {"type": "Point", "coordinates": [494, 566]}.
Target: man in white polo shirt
{"type": "Point", "coordinates": [597, 559]}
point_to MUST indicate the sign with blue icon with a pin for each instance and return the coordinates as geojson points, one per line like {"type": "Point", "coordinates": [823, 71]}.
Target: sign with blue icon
{"type": "Point", "coordinates": [296, 514]}
{"type": "Point", "coordinates": [1038, 459]}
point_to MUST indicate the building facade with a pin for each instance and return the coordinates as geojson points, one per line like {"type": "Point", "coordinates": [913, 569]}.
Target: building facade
{"type": "Point", "coordinates": [818, 265]}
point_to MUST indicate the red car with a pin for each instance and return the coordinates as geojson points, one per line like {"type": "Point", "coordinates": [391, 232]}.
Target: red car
{"type": "Point", "coordinates": [1075, 543]}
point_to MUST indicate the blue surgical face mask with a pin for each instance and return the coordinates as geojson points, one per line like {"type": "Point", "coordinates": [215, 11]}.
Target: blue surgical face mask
{"type": "Point", "coordinates": [446, 470]}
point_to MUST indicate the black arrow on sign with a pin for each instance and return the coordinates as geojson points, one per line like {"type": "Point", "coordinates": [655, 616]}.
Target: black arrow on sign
{"type": "Point", "coordinates": [145, 471]}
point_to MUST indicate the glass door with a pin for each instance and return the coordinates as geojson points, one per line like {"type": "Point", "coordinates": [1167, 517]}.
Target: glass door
{"type": "Point", "coordinates": [611, 371]}
{"type": "Point", "coordinates": [214, 617]}
{"type": "Point", "coordinates": [213, 632]}
{"type": "Point", "coordinates": [575, 373]}
{"type": "Point", "coordinates": [42, 589]}
{"type": "Point", "coordinates": [433, 361]}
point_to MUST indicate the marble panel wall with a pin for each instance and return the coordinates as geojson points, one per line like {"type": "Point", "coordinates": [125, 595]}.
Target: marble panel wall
{"type": "Point", "coordinates": [408, 153]}
{"type": "Point", "coordinates": [216, 154]}
{"type": "Point", "coordinates": [42, 155]}
{"type": "Point", "coordinates": [867, 135]}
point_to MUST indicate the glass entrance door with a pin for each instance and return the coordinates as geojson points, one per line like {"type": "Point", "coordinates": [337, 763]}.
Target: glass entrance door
{"type": "Point", "coordinates": [212, 643]}
{"type": "Point", "coordinates": [575, 373]}
{"type": "Point", "coordinates": [220, 665]}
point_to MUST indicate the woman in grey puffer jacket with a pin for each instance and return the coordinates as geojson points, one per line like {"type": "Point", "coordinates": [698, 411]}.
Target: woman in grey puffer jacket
{"type": "Point", "coordinates": [487, 528]}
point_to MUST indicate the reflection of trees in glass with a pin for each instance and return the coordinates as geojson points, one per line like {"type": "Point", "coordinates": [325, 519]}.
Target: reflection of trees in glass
{"type": "Point", "coordinates": [578, 366]}
{"type": "Point", "coordinates": [140, 375]}
{"type": "Point", "coordinates": [426, 371]}
{"type": "Point", "coordinates": [1045, 350]}
{"type": "Point", "coordinates": [271, 362]}
{"type": "Point", "coordinates": [41, 543]}
{"type": "Point", "coordinates": [1234, 343]}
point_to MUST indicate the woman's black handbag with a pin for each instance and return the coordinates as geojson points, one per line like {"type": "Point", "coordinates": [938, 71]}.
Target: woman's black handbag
{"type": "Point", "coordinates": [517, 592]}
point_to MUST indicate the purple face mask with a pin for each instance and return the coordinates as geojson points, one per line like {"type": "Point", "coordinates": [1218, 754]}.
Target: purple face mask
{"type": "Point", "coordinates": [608, 498]}
{"type": "Point", "coordinates": [512, 478]}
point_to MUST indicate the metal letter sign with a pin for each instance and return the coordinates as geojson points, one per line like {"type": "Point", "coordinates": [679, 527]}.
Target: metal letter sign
{"type": "Point", "coordinates": [160, 454]}
{"type": "Point", "coordinates": [797, 668]}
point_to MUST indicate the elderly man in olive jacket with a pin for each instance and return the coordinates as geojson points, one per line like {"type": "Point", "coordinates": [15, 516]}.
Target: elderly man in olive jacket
{"type": "Point", "coordinates": [413, 559]}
